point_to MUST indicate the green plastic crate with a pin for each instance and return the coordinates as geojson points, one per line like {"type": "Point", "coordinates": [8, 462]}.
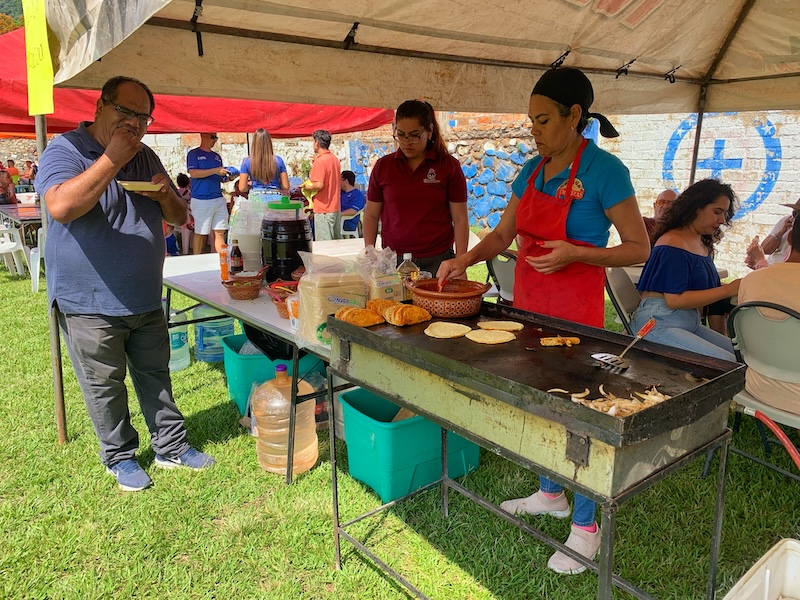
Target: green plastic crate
{"type": "Point", "coordinates": [395, 459]}
{"type": "Point", "coordinates": [242, 371]}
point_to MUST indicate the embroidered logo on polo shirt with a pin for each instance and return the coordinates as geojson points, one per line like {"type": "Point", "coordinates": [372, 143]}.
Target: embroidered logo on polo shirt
{"type": "Point", "coordinates": [430, 177]}
{"type": "Point", "coordinates": [577, 190]}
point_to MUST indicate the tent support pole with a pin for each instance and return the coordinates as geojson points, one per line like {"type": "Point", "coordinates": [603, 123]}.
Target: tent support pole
{"type": "Point", "coordinates": [701, 106]}
{"type": "Point", "coordinates": [55, 341]}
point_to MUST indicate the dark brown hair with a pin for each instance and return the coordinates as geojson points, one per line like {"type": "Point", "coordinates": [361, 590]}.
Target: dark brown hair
{"type": "Point", "coordinates": [423, 112]}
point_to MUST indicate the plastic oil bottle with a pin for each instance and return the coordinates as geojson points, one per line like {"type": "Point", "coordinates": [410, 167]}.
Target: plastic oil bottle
{"type": "Point", "coordinates": [179, 357]}
{"type": "Point", "coordinates": [208, 334]}
{"type": "Point", "coordinates": [270, 407]}
{"type": "Point", "coordinates": [408, 270]}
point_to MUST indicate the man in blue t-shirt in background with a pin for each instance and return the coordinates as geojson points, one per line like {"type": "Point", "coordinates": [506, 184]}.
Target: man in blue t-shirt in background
{"type": "Point", "coordinates": [352, 200]}
{"type": "Point", "coordinates": [209, 207]}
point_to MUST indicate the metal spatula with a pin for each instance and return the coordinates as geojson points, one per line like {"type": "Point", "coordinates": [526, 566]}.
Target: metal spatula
{"type": "Point", "coordinates": [617, 361]}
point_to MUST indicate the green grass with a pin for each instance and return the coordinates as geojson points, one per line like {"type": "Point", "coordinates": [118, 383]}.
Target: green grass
{"type": "Point", "coordinates": [235, 531]}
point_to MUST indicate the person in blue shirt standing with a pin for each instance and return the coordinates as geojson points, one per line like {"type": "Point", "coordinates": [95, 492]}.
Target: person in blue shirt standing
{"type": "Point", "coordinates": [209, 207]}
{"type": "Point", "coordinates": [105, 256]}
{"type": "Point", "coordinates": [352, 200]}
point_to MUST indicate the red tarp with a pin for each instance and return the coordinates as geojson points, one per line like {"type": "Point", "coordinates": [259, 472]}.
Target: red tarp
{"type": "Point", "coordinates": [173, 114]}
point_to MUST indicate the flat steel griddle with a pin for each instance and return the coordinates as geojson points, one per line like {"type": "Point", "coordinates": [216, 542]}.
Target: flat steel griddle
{"type": "Point", "coordinates": [521, 377]}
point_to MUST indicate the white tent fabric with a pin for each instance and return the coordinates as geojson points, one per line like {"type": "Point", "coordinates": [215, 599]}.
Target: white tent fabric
{"type": "Point", "coordinates": [465, 55]}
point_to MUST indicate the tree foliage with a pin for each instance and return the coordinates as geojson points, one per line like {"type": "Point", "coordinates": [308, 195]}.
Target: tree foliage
{"type": "Point", "coordinates": [8, 23]}
{"type": "Point", "coordinates": [12, 8]}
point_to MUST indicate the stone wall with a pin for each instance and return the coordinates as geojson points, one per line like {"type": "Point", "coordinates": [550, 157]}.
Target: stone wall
{"type": "Point", "coordinates": [757, 153]}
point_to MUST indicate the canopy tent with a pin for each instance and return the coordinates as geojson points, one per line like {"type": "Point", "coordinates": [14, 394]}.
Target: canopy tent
{"type": "Point", "coordinates": [643, 56]}
{"type": "Point", "coordinates": [174, 114]}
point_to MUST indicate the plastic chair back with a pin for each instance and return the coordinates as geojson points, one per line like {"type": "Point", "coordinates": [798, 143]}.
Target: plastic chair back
{"type": "Point", "coordinates": [11, 247]}
{"type": "Point", "coordinates": [623, 294]}
{"type": "Point", "coordinates": [501, 270]}
{"type": "Point", "coordinates": [356, 233]}
{"type": "Point", "coordinates": [767, 343]}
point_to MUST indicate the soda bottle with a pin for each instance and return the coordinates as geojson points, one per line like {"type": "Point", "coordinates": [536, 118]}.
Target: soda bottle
{"type": "Point", "coordinates": [223, 262]}
{"type": "Point", "coordinates": [270, 407]}
{"type": "Point", "coordinates": [237, 260]}
{"type": "Point", "coordinates": [408, 271]}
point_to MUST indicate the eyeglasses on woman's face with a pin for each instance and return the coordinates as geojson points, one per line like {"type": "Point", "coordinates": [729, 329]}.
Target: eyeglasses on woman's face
{"type": "Point", "coordinates": [411, 138]}
{"type": "Point", "coordinates": [127, 114]}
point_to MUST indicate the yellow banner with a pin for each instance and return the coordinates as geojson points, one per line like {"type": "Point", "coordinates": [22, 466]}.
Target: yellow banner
{"type": "Point", "coordinates": [40, 67]}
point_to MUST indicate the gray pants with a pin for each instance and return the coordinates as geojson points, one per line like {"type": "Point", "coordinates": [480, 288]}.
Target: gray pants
{"type": "Point", "coordinates": [100, 347]}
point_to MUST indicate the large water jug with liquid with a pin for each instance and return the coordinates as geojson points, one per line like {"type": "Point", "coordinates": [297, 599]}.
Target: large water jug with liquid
{"type": "Point", "coordinates": [208, 334]}
{"type": "Point", "coordinates": [270, 408]}
{"type": "Point", "coordinates": [285, 232]}
{"type": "Point", "coordinates": [179, 357]}
{"type": "Point", "coordinates": [245, 226]}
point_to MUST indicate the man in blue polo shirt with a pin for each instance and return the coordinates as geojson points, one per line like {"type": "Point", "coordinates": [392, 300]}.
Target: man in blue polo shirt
{"type": "Point", "coordinates": [104, 256]}
{"type": "Point", "coordinates": [209, 207]}
{"type": "Point", "coordinates": [352, 201]}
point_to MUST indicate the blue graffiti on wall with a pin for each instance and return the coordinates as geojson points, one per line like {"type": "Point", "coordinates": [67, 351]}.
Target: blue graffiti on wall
{"type": "Point", "coordinates": [718, 163]}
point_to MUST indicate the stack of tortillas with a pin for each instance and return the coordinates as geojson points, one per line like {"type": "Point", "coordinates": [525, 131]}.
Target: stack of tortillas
{"type": "Point", "coordinates": [501, 325]}
{"type": "Point", "coordinates": [444, 330]}
{"type": "Point", "coordinates": [490, 332]}
{"type": "Point", "coordinates": [495, 332]}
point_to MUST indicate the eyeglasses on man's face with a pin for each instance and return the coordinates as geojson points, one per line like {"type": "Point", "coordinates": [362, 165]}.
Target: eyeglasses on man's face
{"type": "Point", "coordinates": [212, 136]}
{"type": "Point", "coordinates": [127, 114]}
{"type": "Point", "coordinates": [412, 137]}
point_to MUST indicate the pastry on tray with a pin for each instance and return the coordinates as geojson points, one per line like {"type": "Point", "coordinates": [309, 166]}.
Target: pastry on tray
{"type": "Point", "coordinates": [361, 317]}
{"type": "Point", "coordinates": [379, 305]}
{"type": "Point", "coordinates": [406, 314]}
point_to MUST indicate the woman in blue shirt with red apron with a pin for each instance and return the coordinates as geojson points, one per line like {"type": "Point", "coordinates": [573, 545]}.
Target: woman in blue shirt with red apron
{"type": "Point", "coordinates": [563, 205]}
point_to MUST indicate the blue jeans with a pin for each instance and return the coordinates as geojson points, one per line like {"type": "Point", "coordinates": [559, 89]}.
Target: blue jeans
{"type": "Point", "coordinates": [681, 328]}
{"type": "Point", "coordinates": [584, 509]}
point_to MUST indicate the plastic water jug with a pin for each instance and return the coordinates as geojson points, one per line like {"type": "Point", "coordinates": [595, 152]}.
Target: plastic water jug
{"type": "Point", "coordinates": [179, 357]}
{"type": "Point", "coordinates": [208, 335]}
{"type": "Point", "coordinates": [270, 407]}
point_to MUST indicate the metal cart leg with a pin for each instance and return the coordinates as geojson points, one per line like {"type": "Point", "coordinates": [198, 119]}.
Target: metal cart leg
{"type": "Point", "coordinates": [445, 475]}
{"type": "Point", "coordinates": [292, 414]}
{"type": "Point", "coordinates": [608, 512]}
{"type": "Point", "coordinates": [719, 509]}
{"type": "Point", "coordinates": [334, 483]}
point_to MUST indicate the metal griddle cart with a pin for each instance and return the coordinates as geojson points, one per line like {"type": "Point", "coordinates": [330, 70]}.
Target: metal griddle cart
{"type": "Point", "coordinates": [495, 396]}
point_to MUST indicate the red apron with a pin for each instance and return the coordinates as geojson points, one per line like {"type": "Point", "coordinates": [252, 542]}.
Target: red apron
{"type": "Point", "coordinates": [574, 293]}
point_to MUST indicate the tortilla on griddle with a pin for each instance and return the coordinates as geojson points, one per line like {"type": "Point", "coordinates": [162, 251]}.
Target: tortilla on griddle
{"type": "Point", "coordinates": [490, 336]}
{"type": "Point", "coordinates": [501, 325]}
{"type": "Point", "coordinates": [444, 330]}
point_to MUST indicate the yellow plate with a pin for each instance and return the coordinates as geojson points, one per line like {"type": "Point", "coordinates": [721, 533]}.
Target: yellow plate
{"type": "Point", "coordinates": [140, 186]}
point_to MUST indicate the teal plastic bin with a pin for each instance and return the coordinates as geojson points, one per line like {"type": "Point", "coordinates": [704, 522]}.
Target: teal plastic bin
{"type": "Point", "coordinates": [242, 371]}
{"type": "Point", "coordinates": [395, 459]}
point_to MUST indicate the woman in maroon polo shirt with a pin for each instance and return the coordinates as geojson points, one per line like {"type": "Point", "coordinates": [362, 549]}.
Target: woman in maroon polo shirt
{"type": "Point", "coordinates": [418, 193]}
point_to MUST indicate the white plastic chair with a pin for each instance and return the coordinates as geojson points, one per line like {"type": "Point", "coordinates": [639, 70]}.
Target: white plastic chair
{"type": "Point", "coordinates": [623, 294]}
{"type": "Point", "coordinates": [12, 249]}
{"type": "Point", "coordinates": [769, 345]}
{"type": "Point", "coordinates": [356, 233]}
{"type": "Point", "coordinates": [501, 270]}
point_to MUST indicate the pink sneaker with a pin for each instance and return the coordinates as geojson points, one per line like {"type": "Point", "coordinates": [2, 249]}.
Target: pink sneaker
{"type": "Point", "coordinates": [584, 543]}
{"type": "Point", "coordinates": [538, 504]}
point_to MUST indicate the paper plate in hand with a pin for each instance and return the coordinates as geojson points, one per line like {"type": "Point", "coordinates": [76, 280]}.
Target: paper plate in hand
{"type": "Point", "coordinates": [140, 186]}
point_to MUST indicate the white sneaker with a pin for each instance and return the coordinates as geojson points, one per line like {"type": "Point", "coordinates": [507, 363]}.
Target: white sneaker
{"type": "Point", "coordinates": [538, 504]}
{"type": "Point", "coordinates": [584, 543]}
